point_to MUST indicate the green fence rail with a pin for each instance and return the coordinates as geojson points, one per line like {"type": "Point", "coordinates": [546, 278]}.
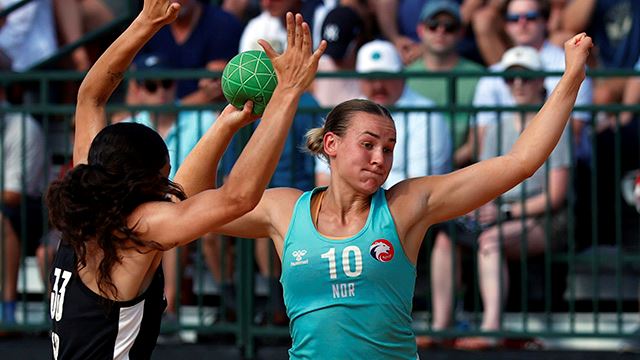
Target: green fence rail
{"type": "Point", "coordinates": [589, 288]}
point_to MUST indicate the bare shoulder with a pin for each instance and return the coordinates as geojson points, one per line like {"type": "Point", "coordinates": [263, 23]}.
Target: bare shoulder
{"type": "Point", "coordinates": [279, 203]}
{"type": "Point", "coordinates": [281, 199]}
{"type": "Point", "coordinates": [409, 191]}
{"type": "Point", "coordinates": [410, 199]}
{"type": "Point", "coordinates": [146, 214]}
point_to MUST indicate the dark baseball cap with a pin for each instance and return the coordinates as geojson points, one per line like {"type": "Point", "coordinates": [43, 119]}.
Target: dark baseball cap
{"type": "Point", "coordinates": [150, 61]}
{"type": "Point", "coordinates": [341, 26]}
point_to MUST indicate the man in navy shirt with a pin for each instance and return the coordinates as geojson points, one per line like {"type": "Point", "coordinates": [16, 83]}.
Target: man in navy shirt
{"type": "Point", "coordinates": [203, 36]}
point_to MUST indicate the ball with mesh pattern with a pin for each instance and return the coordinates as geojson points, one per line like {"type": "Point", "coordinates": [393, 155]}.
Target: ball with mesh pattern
{"type": "Point", "coordinates": [249, 76]}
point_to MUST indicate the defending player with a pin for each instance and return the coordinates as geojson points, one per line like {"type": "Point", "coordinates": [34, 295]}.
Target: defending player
{"type": "Point", "coordinates": [115, 208]}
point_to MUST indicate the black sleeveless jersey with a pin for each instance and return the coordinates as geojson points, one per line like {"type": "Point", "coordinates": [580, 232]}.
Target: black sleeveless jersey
{"type": "Point", "coordinates": [88, 326]}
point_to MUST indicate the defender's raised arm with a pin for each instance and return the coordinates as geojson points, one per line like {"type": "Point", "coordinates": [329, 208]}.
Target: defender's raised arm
{"type": "Point", "coordinates": [105, 75]}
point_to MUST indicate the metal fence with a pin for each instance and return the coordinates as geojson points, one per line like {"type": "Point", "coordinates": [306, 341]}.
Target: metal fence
{"type": "Point", "coordinates": [586, 288]}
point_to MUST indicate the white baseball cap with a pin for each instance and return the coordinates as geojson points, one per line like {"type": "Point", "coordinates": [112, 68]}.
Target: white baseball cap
{"type": "Point", "coordinates": [522, 56]}
{"type": "Point", "coordinates": [378, 56]}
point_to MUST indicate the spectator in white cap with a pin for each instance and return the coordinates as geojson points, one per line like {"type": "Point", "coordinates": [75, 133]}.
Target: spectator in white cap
{"type": "Point", "coordinates": [423, 144]}
{"type": "Point", "coordinates": [510, 218]}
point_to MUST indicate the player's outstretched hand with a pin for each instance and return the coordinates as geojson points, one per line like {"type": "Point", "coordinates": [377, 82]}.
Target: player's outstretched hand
{"type": "Point", "coordinates": [236, 118]}
{"type": "Point", "coordinates": [159, 12]}
{"type": "Point", "coordinates": [576, 52]}
{"type": "Point", "coordinates": [296, 67]}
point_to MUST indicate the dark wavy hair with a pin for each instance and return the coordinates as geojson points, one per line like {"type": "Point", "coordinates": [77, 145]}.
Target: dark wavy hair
{"type": "Point", "coordinates": [94, 200]}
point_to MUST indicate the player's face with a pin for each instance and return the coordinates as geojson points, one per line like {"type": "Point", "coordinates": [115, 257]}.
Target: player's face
{"type": "Point", "coordinates": [364, 155]}
{"type": "Point", "coordinates": [524, 23]}
{"type": "Point", "coordinates": [382, 91]}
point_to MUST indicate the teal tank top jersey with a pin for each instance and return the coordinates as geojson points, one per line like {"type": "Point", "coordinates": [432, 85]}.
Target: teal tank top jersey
{"type": "Point", "coordinates": [348, 298]}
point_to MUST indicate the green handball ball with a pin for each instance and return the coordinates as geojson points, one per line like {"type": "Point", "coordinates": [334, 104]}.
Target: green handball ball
{"type": "Point", "coordinates": [249, 76]}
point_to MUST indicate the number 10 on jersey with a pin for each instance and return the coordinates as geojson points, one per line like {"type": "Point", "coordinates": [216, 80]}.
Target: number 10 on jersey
{"type": "Point", "coordinates": [346, 261]}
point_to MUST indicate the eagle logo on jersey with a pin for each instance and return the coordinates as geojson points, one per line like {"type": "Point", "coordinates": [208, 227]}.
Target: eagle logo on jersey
{"type": "Point", "coordinates": [381, 250]}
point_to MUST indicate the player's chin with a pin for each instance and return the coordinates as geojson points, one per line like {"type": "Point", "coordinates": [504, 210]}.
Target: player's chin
{"type": "Point", "coordinates": [371, 184]}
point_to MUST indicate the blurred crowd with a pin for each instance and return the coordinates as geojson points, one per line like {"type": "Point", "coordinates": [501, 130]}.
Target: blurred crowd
{"type": "Point", "coordinates": [414, 44]}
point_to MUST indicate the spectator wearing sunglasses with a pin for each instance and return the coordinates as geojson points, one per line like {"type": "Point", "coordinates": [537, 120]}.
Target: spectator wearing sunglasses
{"type": "Point", "coordinates": [525, 24]}
{"type": "Point", "coordinates": [440, 31]}
{"type": "Point", "coordinates": [180, 131]}
{"type": "Point", "coordinates": [397, 20]}
{"type": "Point", "coordinates": [488, 23]}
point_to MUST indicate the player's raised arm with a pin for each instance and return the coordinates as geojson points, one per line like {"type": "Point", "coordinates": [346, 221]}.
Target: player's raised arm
{"type": "Point", "coordinates": [105, 75]}
{"type": "Point", "coordinates": [457, 193]}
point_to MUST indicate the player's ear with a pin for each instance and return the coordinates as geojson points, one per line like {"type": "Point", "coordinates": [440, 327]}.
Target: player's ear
{"type": "Point", "coordinates": [330, 143]}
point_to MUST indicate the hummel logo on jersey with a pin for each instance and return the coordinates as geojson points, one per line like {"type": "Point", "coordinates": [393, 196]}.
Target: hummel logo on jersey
{"type": "Point", "coordinates": [381, 250]}
{"type": "Point", "coordinates": [298, 254]}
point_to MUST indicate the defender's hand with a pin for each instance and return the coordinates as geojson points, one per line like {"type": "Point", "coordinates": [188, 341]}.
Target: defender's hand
{"type": "Point", "coordinates": [159, 12]}
{"type": "Point", "coordinates": [235, 118]}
